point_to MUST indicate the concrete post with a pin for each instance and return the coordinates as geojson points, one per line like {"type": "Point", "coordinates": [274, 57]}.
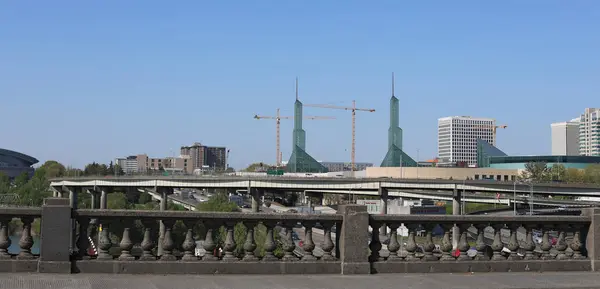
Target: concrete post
{"type": "Point", "coordinates": [255, 195]}
{"type": "Point", "coordinates": [383, 194]}
{"type": "Point", "coordinates": [592, 240]}
{"type": "Point", "coordinates": [103, 199]}
{"type": "Point", "coordinates": [95, 202]}
{"type": "Point", "coordinates": [163, 207]}
{"type": "Point", "coordinates": [56, 229]}
{"type": "Point", "coordinates": [353, 240]}
{"type": "Point", "coordinates": [456, 197]}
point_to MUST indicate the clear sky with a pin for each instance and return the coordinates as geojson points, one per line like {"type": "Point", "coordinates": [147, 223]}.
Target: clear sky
{"type": "Point", "coordinates": [84, 81]}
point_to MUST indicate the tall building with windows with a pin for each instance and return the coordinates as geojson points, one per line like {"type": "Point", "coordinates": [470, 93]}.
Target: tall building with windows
{"type": "Point", "coordinates": [589, 132]}
{"type": "Point", "coordinates": [565, 138]}
{"type": "Point", "coordinates": [458, 135]}
{"type": "Point", "coordinates": [202, 156]}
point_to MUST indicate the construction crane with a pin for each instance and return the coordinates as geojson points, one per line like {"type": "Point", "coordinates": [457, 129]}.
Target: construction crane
{"type": "Point", "coordinates": [494, 129]}
{"type": "Point", "coordinates": [354, 109]}
{"type": "Point", "coordinates": [278, 118]}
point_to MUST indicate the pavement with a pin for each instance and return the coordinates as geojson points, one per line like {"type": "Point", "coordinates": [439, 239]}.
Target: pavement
{"type": "Point", "coordinates": [577, 280]}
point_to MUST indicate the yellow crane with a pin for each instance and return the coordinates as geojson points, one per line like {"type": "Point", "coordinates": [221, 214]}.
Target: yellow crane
{"type": "Point", "coordinates": [278, 118]}
{"type": "Point", "coordinates": [354, 109]}
{"type": "Point", "coordinates": [494, 129]}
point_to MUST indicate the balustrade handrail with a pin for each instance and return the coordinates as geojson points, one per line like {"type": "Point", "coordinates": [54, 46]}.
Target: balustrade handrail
{"type": "Point", "coordinates": [107, 213]}
{"type": "Point", "coordinates": [21, 212]}
{"type": "Point", "coordinates": [481, 219]}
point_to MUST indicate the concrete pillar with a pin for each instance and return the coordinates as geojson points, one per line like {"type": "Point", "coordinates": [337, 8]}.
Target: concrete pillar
{"type": "Point", "coordinates": [163, 207]}
{"type": "Point", "coordinates": [103, 199]}
{"type": "Point", "coordinates": [72, 199]}
{"type": "Point", "coordinates": [322, 199]}
{"type": "Point", "coordinates": [592, 237]}
{"type": "Point", "coordinates": [73, 205]}
{"type": "Point", "coordinates": [54, 254]}
{"type": "Point", "coordinates": [383, 194]}
{"type": "Point", "coordinates": [456, 198]}
{"type": "Point", "coordinates": [351, 240]}
{"type": "Point", "coordinates": [256, 196]}
{"type": "Point", "coordinates": [95, 200]}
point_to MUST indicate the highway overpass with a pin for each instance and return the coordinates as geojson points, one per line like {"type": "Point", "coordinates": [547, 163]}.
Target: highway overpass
{"type": "Point", "coordinates": [359, 186]}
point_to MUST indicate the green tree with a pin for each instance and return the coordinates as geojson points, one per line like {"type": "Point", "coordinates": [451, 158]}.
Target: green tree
{"type": "Point", "coordinates": [535, 172]}
{"type": "Point", "coordinates": [117, 201]}
{"type": "Point", "coordinates": [591, 174]}
{"type": "Point", "coordinates": [256, 167]}
{"type": "Point", "coordinates": [573, 175]}
{"type": "Point", "coordinates": [145, 198]}
{"type": "Point", "coordinates": [53, 169]}
{"type": "Point", "coordinates": [5, 185]}
{"type": "Point", "coordinates": [95, 169]}
{"type": "Point", "coordinates": [557, 172]}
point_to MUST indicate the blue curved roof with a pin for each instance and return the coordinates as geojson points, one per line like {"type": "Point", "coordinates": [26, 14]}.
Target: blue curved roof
{"type": "Point", "coordinates": [24, 157]}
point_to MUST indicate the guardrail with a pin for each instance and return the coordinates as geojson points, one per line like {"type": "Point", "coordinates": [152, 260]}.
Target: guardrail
{"type": "Point", "coordinates": [520, 243]}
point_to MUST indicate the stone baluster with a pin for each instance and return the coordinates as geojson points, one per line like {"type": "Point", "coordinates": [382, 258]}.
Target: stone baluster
{"type": "Point", "coordinates": [446, 245]}
{"type": "Point", "coordinates": [411, 244]}
{"type": "Point", "coordinates": [209, 242]}
{"type": "Point", "coordinates": [230, 244]}
{"type": "Point", "coordinates": [270, 245]}
{"type": "Point", "coordinates": [308, 245]}
{"type": "Point", "coordinates": [82, 240]}
{"type": "Point", "coordinates": [26, 241]}
{"type": "Point", "coordinates": [375, 244]}
{"type": "Point", "coordinates": [393, 246]}
{"type": "Point", "coordinates": [4, 238]}
{"type": "Point", "coordinates": [513, 244]}
{"type": "Point", "coordinates": [429, 246]}
{"type": "Point", "coordinates": [104, 243]}
{"type": "Point", "coordinates": [463, 244]}
{"type": "Point", "coordinates": [327, 244]}
{"type": "Point", "coordinates": [546, 245]}
{"type": "Point", "coordinates": [480, 244]}
{"type": "Point", "coordinates": [529, 244]}
{"type": "Point", "coordinates": [497, 245]}
{"type": "Point", "coordinates": [561, 244]}
{"type": "Point", "coordinates": [126, 244]}
{"type": "Point", "coordinates": [148, 242]}
{"type": "Point", "coordinates": [288, 245]}
{"type": "Point", "coordinates": [167, 243]}
{"type": "Point", "coordinates": [576, 242]}
{"type": "Point", "coordinates": [250, 243]}
{"type": "Point", "coordinates": [189, 244]}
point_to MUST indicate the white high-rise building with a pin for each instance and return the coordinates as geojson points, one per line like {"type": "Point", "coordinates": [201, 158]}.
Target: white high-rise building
{"type": "Point", "coordinates": [565, 138]}
{"type": "Point", "coordinates": [589, 132]}
{"type": "Point", "coordinates": [457, 137]}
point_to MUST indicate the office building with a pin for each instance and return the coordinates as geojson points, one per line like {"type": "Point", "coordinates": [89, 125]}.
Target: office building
{"type": "Point", "coordinates": [458, 135]}
{"type": "Point", "coordinates": [129, 165]}
{"type": "Point", "coordinates": [565, 138]}
{"type": "Point", "coordinates": [589, 132]}
{"type": "Point", "coordinates": [202, 156]}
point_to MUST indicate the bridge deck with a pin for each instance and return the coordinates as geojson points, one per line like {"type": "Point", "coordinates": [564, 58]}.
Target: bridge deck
{"type": "Point", "coordinates": [487, 280]}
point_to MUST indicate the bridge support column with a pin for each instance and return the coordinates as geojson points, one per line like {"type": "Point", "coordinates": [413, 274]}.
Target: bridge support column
{"type": "Point", "coordinates": [256, 197]}
{"type": "Point", "coordinates": [164, 192]}
{"type": "Point", "coordinates": [95, 202]}
{"type": "Point", "coordinates": [383, 194]}
{"type": "Point", "coordinates": [103, 199]}
{"type": "Point", "coordinates": [456, 210]}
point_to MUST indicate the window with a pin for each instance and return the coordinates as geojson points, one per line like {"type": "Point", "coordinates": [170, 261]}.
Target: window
{"type": "Point", "coordinates": [505, 177]}
{"type": "Point", "coordinates": [477, 177]}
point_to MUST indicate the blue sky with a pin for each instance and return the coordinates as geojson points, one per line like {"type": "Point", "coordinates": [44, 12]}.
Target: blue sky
{"type": "Point", "coordinates": [84, 81]}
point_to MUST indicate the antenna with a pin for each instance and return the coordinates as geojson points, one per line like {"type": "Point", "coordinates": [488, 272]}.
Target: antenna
{"type": "Point", "coordinates": [296, 88]}
{"type": "Point", "coordinates": [393, 81]}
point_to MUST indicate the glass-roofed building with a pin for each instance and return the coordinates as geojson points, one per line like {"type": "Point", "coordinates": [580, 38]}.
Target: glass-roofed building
{"type": "Point", "coordinates": [492, 157]}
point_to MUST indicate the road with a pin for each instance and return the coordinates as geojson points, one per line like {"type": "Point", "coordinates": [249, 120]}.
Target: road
{"type": "Point", "coordinates": [549, 280]}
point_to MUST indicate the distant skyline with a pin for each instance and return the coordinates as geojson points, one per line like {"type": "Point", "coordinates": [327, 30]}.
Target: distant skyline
{"type": "Point", "coordinates": [84, 82]}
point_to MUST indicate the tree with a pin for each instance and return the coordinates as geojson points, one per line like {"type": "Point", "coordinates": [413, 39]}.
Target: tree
{"type": "Point", "coordinates": [535, 172]}
{"type": "Point", "coordinates": [256, 167]}
{"type": "Point", "coordinates": [53, 169]}
{"type": "Point", "coordinates": [557, 172]}
{"type": "Point", "coordinates": [95, 169]}
{"type": "Point", "coordinates": [5, 186]}
{"type": "Point", "coordinates": [145, 198]}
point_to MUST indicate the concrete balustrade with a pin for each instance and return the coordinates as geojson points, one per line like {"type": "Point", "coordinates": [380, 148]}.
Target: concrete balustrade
{"type": "Point", "coordinates": [485, 243]}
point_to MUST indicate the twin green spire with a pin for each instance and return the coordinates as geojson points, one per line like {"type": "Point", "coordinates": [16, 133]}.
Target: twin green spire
{"type": "Point", "coordinates": [395, 156]}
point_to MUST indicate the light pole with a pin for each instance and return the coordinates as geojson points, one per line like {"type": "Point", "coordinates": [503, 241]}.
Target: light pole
{"type": "Point", "coordinates": [515, 198]}
{"type": "Point", "coordinates": [531, 199]}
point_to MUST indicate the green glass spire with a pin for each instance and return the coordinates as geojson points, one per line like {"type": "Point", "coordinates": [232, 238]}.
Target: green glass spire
{"type": "Point", "coordinates": [300, 161]}
{"type": "Point", "coordinates": [395, 156]}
